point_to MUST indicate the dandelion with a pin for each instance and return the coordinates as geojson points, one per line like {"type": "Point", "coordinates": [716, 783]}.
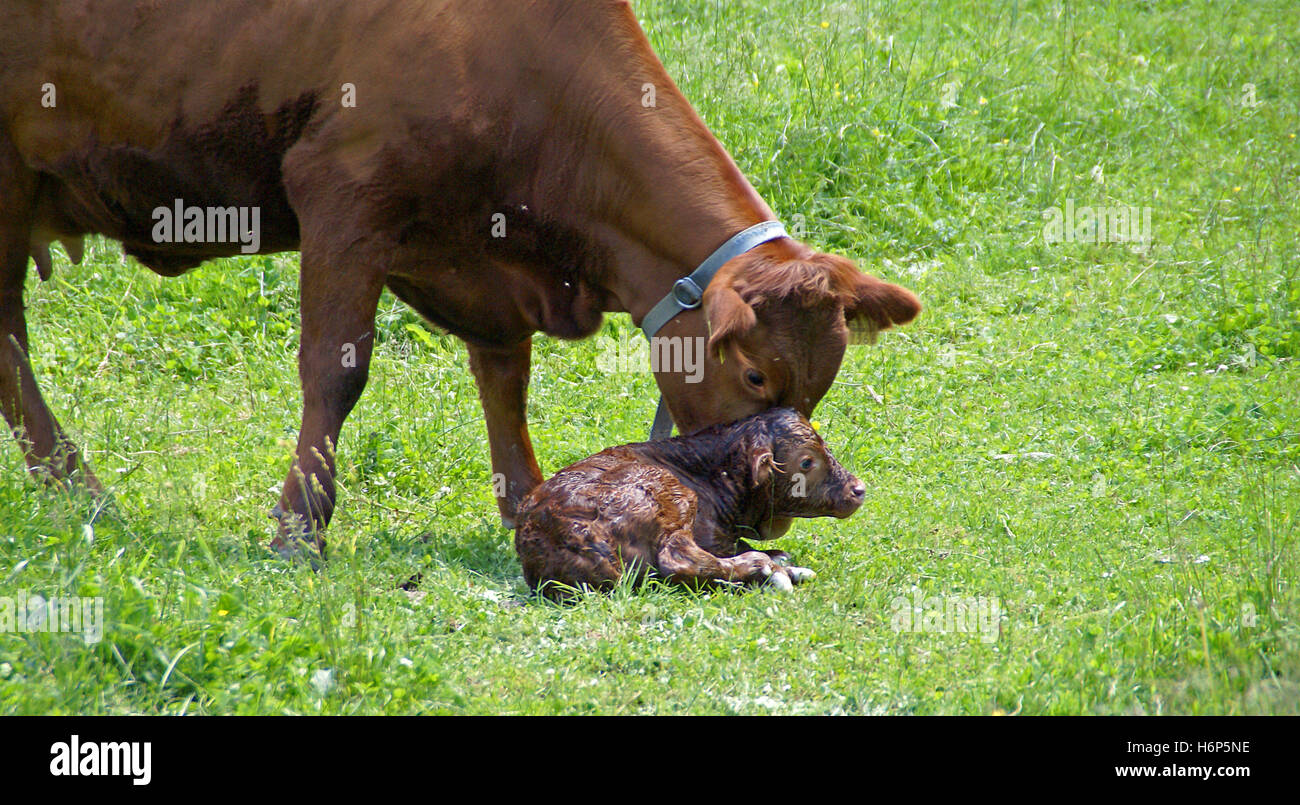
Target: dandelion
{"type": "Point", "coordinates": [984, 101]}
{"type": "Point", "coordinates": [825, 24]}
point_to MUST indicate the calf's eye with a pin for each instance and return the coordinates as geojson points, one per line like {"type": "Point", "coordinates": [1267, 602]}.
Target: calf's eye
{"type": "Point", "coordinates": [753, 378]}
{"type": "Point", "coordinates": [806, 464]}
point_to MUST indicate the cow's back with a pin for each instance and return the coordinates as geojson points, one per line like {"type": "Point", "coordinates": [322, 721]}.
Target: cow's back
{"type": "Point", "coordinates": [130, 105]}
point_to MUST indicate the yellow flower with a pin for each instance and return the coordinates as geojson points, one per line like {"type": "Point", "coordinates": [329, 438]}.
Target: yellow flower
{"type": "Point", "coordinates": [816, 425]}
{"type": "Point", "coordinates": [1237, 189]}
{"type": "Point", "coordinates": [825, 24]}
{"type": "Point", "coordinates": [221, 613]}
{"type": "Point", "coordinates": [983, 101]}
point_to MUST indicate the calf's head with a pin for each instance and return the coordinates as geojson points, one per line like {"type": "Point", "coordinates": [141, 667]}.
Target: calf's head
{"type": "Point", "coordinates": [779, 318]}
{"type": "Point", "coordinates": [794, 475]}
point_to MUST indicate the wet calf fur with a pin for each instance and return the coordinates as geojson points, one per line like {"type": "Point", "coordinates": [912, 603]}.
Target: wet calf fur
{"type": "Point", "coordinates": [682, 508]}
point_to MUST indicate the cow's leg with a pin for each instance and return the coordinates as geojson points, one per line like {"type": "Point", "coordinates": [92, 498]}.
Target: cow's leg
{"type": "Point", "coordinates": [47, 450]}
{"type": "Point", "coordinates": [682, 561]}
{"type": "Point", "coordinates": [502, 375]}
{"type": "Point", "coordinates": [340, 292]}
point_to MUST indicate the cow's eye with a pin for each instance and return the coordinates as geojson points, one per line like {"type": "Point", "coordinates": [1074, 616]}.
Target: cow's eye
{"type": "Point", "coordinates": [806, 464]}
{"type": "Point", "coordinates": [754, 378]}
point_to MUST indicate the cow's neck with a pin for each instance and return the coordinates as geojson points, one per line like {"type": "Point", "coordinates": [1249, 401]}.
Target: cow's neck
{"type": "Point", "coordinates": [635, 169]}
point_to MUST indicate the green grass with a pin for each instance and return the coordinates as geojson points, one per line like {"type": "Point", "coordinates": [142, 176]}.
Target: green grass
{"type": "Point", "coordinates": [1144, 553]}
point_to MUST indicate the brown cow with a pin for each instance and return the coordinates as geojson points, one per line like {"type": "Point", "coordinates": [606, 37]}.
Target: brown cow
{"type": "Point", "coordinates": [494, 164]}
{"type": "Point", "coordinates": [680, 507]}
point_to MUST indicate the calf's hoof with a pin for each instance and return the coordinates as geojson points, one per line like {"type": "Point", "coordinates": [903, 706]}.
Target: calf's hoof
{"type": "Point", "coordinates": [783, 579]}
{"type": "Point", "coordinates": [799, 575]}
{"type": "Point", "coordinates": [780, 582]}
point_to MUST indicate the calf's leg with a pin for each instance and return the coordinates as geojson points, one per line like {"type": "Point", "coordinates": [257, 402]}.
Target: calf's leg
{"type": "Point", "coordinates": [780, 557]}
{"type": "Point", "coordinates": [502, 376]}
{"type": "Point", "coordinates": [682, 561]}
{"type": "Point", "coordinates": [45, 447]}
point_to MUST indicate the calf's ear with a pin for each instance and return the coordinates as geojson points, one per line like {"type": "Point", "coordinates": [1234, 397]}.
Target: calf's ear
{"type": "Point", "coordinates": [761, 464]}
{"type": "Point", "coordinates": [729, 316]}
{"type": "Point", "coordinates": [872, 305]}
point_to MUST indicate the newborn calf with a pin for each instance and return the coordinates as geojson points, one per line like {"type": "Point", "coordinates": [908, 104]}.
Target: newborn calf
{"type": "Point", "coordinates": [681, 507]}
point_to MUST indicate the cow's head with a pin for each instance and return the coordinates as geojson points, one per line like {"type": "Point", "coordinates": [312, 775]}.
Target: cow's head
{"type": "Point", "coordinates": [779, 318]}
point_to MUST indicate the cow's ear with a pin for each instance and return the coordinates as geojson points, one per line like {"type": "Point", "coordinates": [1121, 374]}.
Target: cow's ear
{"type": "Point", "coordinates": [872, 305]}
{"type": "Point", "coordinates": [729, 316]}
{"type": "Point", "coordinates": [761, 464]}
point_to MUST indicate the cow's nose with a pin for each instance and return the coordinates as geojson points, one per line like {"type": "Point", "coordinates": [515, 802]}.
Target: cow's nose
{"type": "Point", "coordinates": [858, 491]}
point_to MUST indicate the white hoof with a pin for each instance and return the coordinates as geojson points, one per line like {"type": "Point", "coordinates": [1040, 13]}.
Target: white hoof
{"type": "Point", "coordinates": [799, 575]}
{"type": "Point", "coordinates": [780, 582]}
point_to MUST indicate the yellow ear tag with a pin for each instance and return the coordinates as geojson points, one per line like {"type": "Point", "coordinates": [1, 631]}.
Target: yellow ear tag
{"type": "Point", "coordinates": [862, 330]}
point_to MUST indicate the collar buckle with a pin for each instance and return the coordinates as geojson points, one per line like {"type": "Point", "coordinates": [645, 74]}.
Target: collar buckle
{"type": "Point", "coordinates": [687, 293]}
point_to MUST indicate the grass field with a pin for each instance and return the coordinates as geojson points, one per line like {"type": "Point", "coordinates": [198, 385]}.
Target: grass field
{"type": "Point", "coordinates": [1097, 443]}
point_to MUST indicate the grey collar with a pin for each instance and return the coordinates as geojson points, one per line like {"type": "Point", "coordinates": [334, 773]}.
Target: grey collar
{"type": "Point", "coordinates": [688, 292]}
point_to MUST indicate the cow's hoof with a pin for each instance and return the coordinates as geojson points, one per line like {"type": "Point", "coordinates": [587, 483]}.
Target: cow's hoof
{"type": "Point", "coordinates": [292, 541]}
{"type": "Point", "coordinates": [799, 575]}
{"type": "Point", "coordinates": [300, 552]}
{"type": "Point", "coordinates": [296, 552]}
